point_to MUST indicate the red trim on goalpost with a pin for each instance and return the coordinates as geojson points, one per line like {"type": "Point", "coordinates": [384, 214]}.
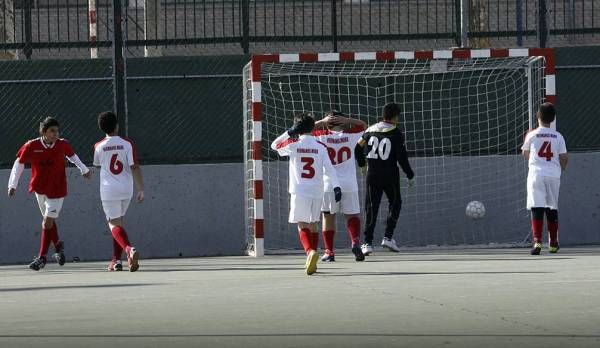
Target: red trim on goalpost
{"type": "Point", "coordinates": [257, 116]}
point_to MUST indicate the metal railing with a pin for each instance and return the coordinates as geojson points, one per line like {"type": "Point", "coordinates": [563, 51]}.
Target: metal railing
{"type": "Point", "coordinates": [28, 25]}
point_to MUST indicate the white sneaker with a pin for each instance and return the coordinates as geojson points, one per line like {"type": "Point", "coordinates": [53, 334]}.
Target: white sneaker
{"type": "Point", "coordinates": [367, 249]}
{"type": "Point", "coordinates": [390, 244]}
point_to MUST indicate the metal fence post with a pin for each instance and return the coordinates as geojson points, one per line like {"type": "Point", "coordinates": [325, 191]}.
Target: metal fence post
{"type": "Point", "coordinates": [334, 34]}
{"type": "Point", "coordinates": [119, 67]}
{"type": "Point", "coordinates": [542, 24]}
{"type": "Point", "coordinates": [519, 11]}
{"type": "Point", "coordinates": [27, 22]}
{"type": "Point", "coordinates": [246, 26]}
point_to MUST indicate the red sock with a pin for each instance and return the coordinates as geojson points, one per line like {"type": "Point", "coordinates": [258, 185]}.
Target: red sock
{"type": "Point", "coordinates": [53, 235]}
{"type": "Point", "coordinates": [537, 226]}
{"type": "Point", "coordinates": [44, 242]}
{"type": "Point", "coordinates": [353, 225]}
{"type": "Point", "coordinates": [305, 239]}
{"type": "Point", "coordinates": [328, 240]}
{"type": "Point", "coordinates": [553, 232]}
{"type": "Point", "coordinates": [120, 236]}
{"type": "Point", "coordinates": [117, 250]}
{"type": "Point", "coordinates": [314, 241]}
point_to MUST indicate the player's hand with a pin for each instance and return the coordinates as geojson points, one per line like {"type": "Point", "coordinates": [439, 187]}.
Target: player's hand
{"type": "Point", "coordinates": [140, 196]}
{"type": "Point", "coordinates": [88, 174]}
{"type": "Point", "coordinates": [410, 183]}
{"type": "Point", "coordinates": [11, 192]}
{"type": "Point", "coordinates": [337, 192]}
{"type": "Point", "coordinates": [293, 131]}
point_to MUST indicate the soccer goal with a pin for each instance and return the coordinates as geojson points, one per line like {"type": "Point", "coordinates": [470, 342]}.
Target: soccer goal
{"type": "Point", "coordinates": [465, 113]}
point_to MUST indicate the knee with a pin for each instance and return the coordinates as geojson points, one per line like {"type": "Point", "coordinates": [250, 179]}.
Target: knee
{"type": "Point", "coordinates": [47, 223]}
{"type": "Point", "coordinates": [551, 215]}
{"type": "Point", "coordinates": [537, 213]}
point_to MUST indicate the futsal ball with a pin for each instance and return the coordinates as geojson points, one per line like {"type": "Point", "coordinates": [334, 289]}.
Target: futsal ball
{"type": "Point", "coordinates": [475, 210]}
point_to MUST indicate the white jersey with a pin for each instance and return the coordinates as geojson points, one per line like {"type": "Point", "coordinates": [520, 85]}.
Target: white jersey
{"type": "Point", "coordinates": [308, 162]}
{"type": "Point", "coordinates": [115, 156]}
{"type": "Point", "coordinates": [340, 146]}
{"type": "Point", "coordinates": [545, 145]}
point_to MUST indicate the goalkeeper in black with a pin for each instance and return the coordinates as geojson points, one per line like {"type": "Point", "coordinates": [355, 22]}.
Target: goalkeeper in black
{"type": "Point", "coordinates": [383, 147]}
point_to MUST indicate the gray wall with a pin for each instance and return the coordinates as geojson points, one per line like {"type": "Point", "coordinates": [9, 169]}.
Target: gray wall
{"type": "Point", "coordinates": [197, 210]}
{"type": "Point", "coordinates": [192, 210]}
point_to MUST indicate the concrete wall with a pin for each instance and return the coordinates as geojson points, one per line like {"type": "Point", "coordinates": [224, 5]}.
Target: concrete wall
{"type": "Point", "coordinates": [198, 210]}
{"type": "Point", "coordinates": [190, 210]}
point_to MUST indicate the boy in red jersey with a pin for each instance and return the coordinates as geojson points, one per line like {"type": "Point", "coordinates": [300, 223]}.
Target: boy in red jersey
{"type": "Point", "coordinates": [119, 171]}
{"type": "Point", "coordinates": [46, 155]}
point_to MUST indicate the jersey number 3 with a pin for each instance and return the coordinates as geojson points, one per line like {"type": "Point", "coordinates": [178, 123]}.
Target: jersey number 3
{"type": "Point", "coordinates": [308, 172]}
{"type": "Point", "coordinates": [116, 166]}
{"type": "Point", "coordinates": [546, 151]}
{"type": "Point", "coordinates": [382, 148]}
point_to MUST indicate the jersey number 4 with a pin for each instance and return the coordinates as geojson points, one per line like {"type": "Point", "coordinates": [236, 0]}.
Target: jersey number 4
{"type": "Point", "coordinates": [116, 166]}
{"type": "Point", "coordinates": [380, 149]}
{"type": "Point", "coordinates": [546, 151]}
{"type": "Point", "coordinates": [308, 171]}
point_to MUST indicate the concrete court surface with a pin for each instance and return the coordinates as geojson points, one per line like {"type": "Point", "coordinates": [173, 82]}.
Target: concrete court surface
{"type": "Point", "coordinates": [439, 298]}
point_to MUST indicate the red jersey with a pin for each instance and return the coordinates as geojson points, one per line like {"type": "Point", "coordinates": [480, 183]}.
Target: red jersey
{"type": "Point", "coordinates": [48, 175]}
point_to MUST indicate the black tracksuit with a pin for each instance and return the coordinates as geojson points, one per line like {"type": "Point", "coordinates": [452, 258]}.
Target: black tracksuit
{"type": "Point", "coordinates": [384, 148]}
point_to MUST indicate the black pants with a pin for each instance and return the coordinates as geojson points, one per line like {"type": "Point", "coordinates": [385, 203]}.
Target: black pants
{"type": "Point", "coordinates": [377, 184]}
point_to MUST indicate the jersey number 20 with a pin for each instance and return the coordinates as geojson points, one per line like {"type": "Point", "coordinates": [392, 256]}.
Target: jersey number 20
{"type": "Point", "coordinates": [379, 149]}
{"type": "Point", "coordinates": [116, 166]}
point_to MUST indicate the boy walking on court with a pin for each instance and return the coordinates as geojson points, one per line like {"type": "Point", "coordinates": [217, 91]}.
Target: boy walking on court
{"type": "Point", "coordinates": [546, 152]}
{"type": "Point", "coordinates": [46, 155]}
{"type": "Point", "coordinates": [119, 170]}
{"type": "Point", "coordinates": [384, 145]}
{"type": "Point", "coordinates": [308, 162]}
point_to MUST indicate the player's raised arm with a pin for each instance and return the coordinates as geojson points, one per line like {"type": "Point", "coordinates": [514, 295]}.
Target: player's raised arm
{"type": "Point", "coordinates": [282, 143]}
{"type": "Point", "coordinates": [359, 153]}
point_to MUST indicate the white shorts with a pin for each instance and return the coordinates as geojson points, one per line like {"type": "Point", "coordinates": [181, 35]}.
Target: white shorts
{"type": "Point", "coordinates": [349, 204]}
{"type": "Point", "coordinates": [50, 207]}
{"type": "Point", "coordinates": [542, 192]}
{"type": "Point", "coordinates": [115, 209]}
{"type": "Point", "coordinates": [304, 209]}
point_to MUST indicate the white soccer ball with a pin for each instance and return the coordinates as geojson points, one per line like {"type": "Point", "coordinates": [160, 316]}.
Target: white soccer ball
{"type": "Point", "coordinates": [475, 210]}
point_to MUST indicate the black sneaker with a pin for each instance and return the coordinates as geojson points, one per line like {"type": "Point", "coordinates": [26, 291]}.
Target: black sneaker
{"type": "Point", "coordinates": [358, 254]}
{"type": "Point", "coordinates": [37, 263]}
{"type": "Point", "coordinates": [537, 248]}
{"type": "Point", "coordinates": [59, 255]}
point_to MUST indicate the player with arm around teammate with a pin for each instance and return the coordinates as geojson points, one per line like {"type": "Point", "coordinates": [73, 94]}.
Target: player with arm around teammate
{"type": "Point", "coordinates": [308, 163]}
{"type": "Point", "coordinates": [46, 155]}
{"type": "Point", "coordinates": [119, 170]}
{"type": "Point", "coordinates": [546, 152]}
{"type": "Point", "coordinates": [340, 134]}
{"type": "Point", "coordinates": [385, 150]}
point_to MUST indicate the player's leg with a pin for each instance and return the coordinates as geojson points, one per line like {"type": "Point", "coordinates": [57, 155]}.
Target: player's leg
{"type": "Point", "coordinates": [115, 212]}
{"type": "Point", "coordinates": [53, 208]}
{"type": "Point", "coordinates": [552, 190]}
{"type": "Point", "coordinates": [536, 202]}
{"type": "Point", "coordinates": [50, 212]}
{"type": "Point", "coordinates": [392, 192]}
{"type": "Point", "coordinates": [328, 236]}
{"type": "Point", "coordinates": [372, 201]}
{"type": "Point", "coordinates": [351, 209]}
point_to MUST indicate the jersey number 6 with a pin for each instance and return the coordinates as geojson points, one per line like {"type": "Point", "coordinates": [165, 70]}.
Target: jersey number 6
{"type": "Point", "coordinates": [116, 166]}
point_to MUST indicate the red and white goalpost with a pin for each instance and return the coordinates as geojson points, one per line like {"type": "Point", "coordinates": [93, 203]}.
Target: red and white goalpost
{"type": "Point", "coordinates": [465, 112]}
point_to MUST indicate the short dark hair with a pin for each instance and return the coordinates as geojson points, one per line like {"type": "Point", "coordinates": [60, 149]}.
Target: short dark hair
{"type": "Point", "coordinates": [390, 111]}
{"type": "Point", "coordinates": [107, 121]}
{"type": "Point", "coordinates": [304, 122]}
{"type": "Point", "coordinates": [547, 113]}
{"type": "Point", "coordinates": [47, 123]}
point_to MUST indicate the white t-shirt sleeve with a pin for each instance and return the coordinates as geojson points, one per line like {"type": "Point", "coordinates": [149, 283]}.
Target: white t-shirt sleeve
{"type": "Point", "coordinates": [97, 160]}
{"type": "Point", "coordinates": [527, 143]}
{"type": "Point", "coordinates": [329, 170]}
{"type": "Point", "coordinates": [562, 146]}
{"type": "Point", "coordinates": [282, 144]}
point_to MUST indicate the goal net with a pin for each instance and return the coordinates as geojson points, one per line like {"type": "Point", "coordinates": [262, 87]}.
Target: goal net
{"type": "Point", "coordinates": [464, 121]}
